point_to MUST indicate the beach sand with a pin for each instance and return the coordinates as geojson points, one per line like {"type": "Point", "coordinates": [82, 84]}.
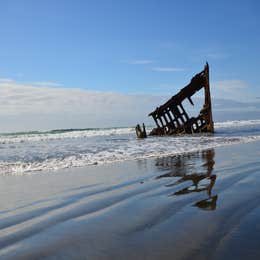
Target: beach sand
{"type": "Point", "coordinates": [203, 205]}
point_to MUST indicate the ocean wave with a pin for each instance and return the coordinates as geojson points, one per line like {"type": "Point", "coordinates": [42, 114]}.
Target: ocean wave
{"type": "Point", "coordinates": [131, 150]}
{"type": "Point", "coordinates": [26, 153]}
{"type": "Point", "coordinates": [62, 134]}
{"type": "Point", "coordinates": [36, 136]}
{"type": "Point", "coordinates": [237, 123]}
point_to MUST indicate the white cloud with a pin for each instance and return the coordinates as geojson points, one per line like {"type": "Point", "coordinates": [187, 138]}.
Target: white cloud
{"type": "Point", "coordinates": [231, 85]}
{"type": "Point", "coordinates": [216, 56]}
{"type": "Point", "coordinates": [139, 62]}
{"type": "Point", "coordinates": [6, 80]}
{"type": "Point", "coordinates": [167, 69]}
{"type": "Point", "coordinates": [233, 89]}
{"type": "Point", "coordinates": [19, 75]}
{"type": "Point", "coordinates": [47, 84]}
{"type": "Point", "coordinates": [30, 106]}
{"type": "Point", "coordinates": [26, 106]}
{"type": "Point", "coordinates": [234, 93]}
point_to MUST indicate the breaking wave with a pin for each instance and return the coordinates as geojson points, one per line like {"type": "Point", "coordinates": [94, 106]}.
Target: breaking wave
{"type": "Point", "coordinates": [24, 153]}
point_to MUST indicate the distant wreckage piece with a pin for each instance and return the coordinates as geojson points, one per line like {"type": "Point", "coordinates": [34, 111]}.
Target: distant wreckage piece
{"type": "Point", "coordinates": [171, 117]}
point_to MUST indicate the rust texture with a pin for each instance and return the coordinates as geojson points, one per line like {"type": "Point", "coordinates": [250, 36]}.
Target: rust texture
{"type": "Point", "coordinates": [171, 117]}
{"type": "Point", "coordinates": [141, 133]}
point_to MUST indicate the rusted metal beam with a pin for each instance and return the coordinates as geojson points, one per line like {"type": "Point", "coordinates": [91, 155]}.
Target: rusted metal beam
{"type": "Point", "coordinates": [141, 133]}
{"type": "Point", "coordinates": [176, 118]}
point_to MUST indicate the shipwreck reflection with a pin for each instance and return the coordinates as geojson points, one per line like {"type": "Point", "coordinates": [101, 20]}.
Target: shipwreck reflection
{"type": "Point", "coordinates": [196, 168]}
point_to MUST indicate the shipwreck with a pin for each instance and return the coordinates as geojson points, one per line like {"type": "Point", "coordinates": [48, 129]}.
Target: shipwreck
{"type": "Point", "coordinates": [171, 118]}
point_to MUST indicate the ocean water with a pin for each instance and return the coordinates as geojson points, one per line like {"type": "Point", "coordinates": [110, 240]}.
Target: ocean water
{"type": "Point", "coordinates": [32, 152]}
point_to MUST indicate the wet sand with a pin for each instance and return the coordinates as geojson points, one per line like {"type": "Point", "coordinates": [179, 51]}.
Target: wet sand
{"type": "Point", "coordinates": [203, 205]}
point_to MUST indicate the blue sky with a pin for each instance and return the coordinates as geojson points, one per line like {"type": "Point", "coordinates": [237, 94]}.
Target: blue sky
{"type": "Point", "coordinates": [131, 47]}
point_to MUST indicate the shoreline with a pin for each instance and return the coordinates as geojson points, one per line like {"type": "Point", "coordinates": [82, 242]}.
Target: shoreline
{"type": "Point", "coordinates": [196, 205]}
{"type": "Point", "coordinates": [29, 154]}
{"type": "Point", "coordinates": [34, 171]}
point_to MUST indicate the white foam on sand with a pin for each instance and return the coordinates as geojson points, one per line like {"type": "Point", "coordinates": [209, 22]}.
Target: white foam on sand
{"type": "Point", "coordinates": [27, 154]}
{"type": "Point", "coordinates": [203, 205]}
{"type": "Point", "coordinates": [44, 136]}
{"type": "Point", "coordinates": [88, 133]}
{"type": "Point", "coordinates": [131, 151]}
{"type": "Point", "coordinates": [237, 123]}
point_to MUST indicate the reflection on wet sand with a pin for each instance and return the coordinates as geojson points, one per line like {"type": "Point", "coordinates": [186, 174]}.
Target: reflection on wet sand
{"type": "Point", "coordinates": [195, 167]}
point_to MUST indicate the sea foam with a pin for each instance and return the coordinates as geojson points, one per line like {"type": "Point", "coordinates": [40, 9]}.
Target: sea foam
{"type": "Point", "coordinates": [28, 153]}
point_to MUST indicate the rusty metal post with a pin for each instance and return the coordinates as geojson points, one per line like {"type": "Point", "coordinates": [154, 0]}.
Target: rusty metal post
{"type": "Point", "coordinates": [171, 117]}
{"type": "Point", "coordinates": [210, 123]}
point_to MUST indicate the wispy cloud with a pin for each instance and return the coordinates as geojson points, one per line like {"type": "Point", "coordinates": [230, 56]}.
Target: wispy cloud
{"type": "Point", "coordinates": [217, 56]}
{"type": "Point", "coordinates": [233, 89]}
{"type": "Point", "coordinates": [47, 84]}
{"type": "Point", "coordinates": [11, 82]}
{"type": "Point", "coordinates": [25, 106]}
{"type": "Point", "coordinates": [167, 69]}
{"type": "Point", "coordinates": [6, 80]}
{"type": "Point", "coordinates": [209, 54]}
{"type": "Point", "coordinates": [139, 62]}
{"type": "Point", "coordinates": [19, 75]}
{"type": "Point", "coordinates": [231, 85]}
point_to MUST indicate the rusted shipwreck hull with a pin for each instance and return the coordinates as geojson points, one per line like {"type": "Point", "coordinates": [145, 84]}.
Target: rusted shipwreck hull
{"type": "Point", "coordinates": [171, 117]}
